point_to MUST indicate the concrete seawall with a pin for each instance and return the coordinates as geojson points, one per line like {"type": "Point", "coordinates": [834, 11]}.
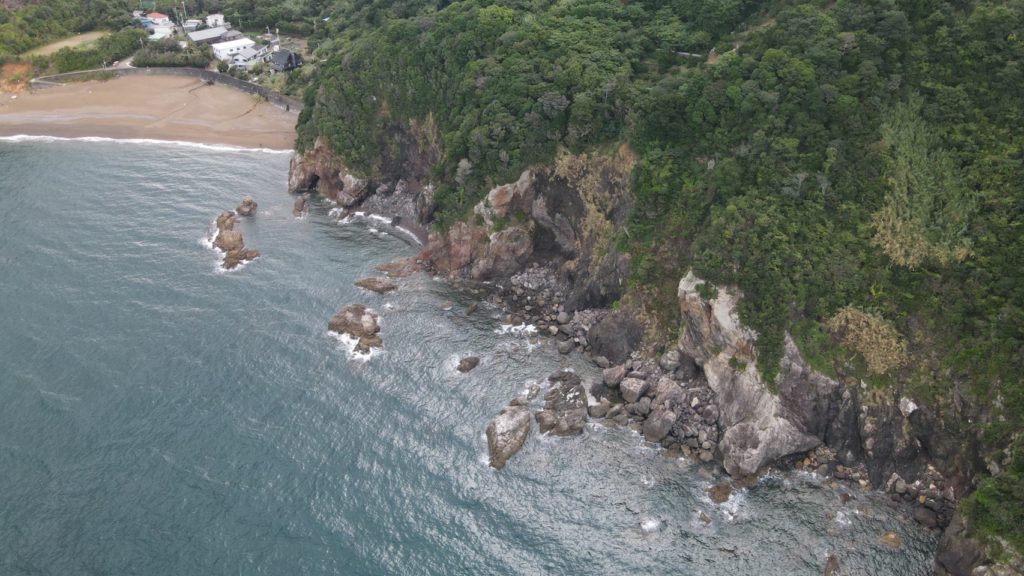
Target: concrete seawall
{"type": "Point", "coordinates": [279, 100]}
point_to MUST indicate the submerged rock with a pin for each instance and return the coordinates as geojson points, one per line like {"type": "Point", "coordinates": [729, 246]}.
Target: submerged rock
{"type": "Point", "coordinates": [468, 363]}
{"type": "Point", "coordinates": [377, 284]}
{"type": "Point", "coordinates": [300, 207]}
{"type": "Point", "coordinates": [507, 433]}
{"type": "Point", "coordinates": [565, 406]}
{"type": "Point", "coordinates": [890, 539]}
{"type": "Point", "coordinates": [720, 492]}
{"type": "Point", "coordinates": [359, 322]}
{"type": "Point", "coordinates": [831, 566]}
{"type": "Point", "coordinates": [247, 207]}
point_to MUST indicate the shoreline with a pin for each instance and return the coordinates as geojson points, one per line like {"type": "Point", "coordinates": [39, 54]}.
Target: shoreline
{"type": "Point", "coordinates": [151, 108]}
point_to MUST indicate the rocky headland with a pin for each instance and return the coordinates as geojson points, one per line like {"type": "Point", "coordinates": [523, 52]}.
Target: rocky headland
{"type": "Point", "coordinates": [544, 245]}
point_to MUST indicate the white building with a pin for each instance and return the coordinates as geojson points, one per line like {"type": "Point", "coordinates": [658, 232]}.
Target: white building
{"type": "Point", "coordinates": [250, 56]}
{"type": "Point", "coordinates": [214, 20]}
{"type": "Point", "coordinates": [161, 32]}
{"type": "Point", "coordinates": [225, 51]}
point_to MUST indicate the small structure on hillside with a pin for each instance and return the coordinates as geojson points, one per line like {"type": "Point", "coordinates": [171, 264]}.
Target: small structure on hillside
{"type": "Point", "coordinates": [284, 60]}
{"type": "Point", "coordinates": [225, 51]}
{"type": "Point", "coordinates": [208, 36]}
{"type": "Point", "coordinates": [214, 20]}
{"type": "Point", "coordinates": [191, 25]}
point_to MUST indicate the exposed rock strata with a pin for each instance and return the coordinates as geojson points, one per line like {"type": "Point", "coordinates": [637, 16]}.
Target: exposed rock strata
{"type": "Point", "coordinates": [757, 427]}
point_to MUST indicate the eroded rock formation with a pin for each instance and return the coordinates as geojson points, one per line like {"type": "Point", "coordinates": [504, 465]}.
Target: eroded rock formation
{"type": "Point", "coordinates": [360, 323]}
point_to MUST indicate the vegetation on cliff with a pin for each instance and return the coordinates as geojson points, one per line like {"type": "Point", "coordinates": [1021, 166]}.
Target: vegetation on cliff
{"type": "Point", "coordinates": [851, 160]}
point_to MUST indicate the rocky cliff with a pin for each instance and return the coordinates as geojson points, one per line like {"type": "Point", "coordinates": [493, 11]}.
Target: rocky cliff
{"type": "Point", "coordinates": [561, 217]}
{"type": "Point", "coordinates": [758, 427]}
{"type": "Point", "coordinates": [552, 230]}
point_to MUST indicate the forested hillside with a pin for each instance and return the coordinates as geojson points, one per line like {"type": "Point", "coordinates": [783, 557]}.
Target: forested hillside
{"type": "Point", "coordinates": [854, 167]}
{"type": "Point", "coordinates": [25, 27]}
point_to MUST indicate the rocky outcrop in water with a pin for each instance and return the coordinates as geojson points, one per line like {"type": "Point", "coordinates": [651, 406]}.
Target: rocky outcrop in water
{"type": "Point", "coordinates": [377, 284]}
{"type": "Point", "coordinates": [230, 242]}
{"type": "Point", "coordinates": [247, 207]}
{"type": "Point", "coordinates": [468, 363]}
{"type": "Point", "coordinates": [359, 322]}
{"type": "Point", "coordinates": [565, 406]}
{"type": "Point", "coordinates": [507, 433]}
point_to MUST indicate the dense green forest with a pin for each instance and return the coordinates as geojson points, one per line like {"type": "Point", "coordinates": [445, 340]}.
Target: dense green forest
{"type": "Point", "coordinates": [845, 164]}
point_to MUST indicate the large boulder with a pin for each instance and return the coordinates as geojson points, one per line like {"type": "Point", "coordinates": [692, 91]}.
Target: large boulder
{"type": "Point", "coordinates": [507, 433]}
{"type": "Point", "coordinates": [360, 323]}
{"type": "Point", "coordinates": [565, 406]}
{"type": "Point", "coordinates": [633, 388]}
{"type": "Point", "coordinates": [658, 424]}
{"type": "Point", "coordinates": [615, 336]}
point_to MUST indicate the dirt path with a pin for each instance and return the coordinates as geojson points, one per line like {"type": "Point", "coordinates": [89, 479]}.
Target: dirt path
{"type": "Point", "coordinates": [73, 42]}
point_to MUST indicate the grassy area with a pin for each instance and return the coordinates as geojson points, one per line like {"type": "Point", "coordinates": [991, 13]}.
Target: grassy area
{"type": "Point", "coordinates": [79, 41]}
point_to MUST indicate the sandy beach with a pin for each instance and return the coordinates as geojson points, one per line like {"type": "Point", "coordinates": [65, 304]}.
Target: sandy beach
{"type": "Point", "coordinates": [149, 107]}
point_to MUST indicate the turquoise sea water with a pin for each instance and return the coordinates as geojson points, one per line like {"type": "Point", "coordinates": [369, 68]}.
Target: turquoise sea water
{"type": "Point", "coordinates": [159, 417]}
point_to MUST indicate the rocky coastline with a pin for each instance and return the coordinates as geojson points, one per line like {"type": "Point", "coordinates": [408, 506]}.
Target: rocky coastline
{"type": "Point", "coordinates": [542, 244]}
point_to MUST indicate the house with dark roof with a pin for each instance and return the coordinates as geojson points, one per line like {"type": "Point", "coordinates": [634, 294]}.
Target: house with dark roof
{"type": "Point", "coordinates": [208, 36]}
{"type": "Point", "coordinates": [284, 60]}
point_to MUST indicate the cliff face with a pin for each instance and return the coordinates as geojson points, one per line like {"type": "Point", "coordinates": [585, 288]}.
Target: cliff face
{"type": "Point", "coordinates": [561, 217]}
{"type": "Point", "coordinates": [402, 199]}
{"type": "Point", "coordinates": [901, 446]}
{"type": "Point", "coordinates": [758, 427]}
{"type": "Point", "coordinates": [319, 170]}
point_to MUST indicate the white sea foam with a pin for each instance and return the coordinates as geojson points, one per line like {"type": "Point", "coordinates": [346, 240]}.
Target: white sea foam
{"type": "Point", "coordinates": [335, 212]}
{"type": "Point", "coordinates": [650, 525]}
{"type": "Point", "coordinates": [141, 141]}
{"type": "Point", "coordinates": [348, 343]}
{"type": "Point", "coordinates": [516, 329]}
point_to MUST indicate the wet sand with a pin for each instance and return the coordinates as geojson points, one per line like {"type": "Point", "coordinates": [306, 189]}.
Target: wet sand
{"type": "Point", "coordinates": [149, 107]}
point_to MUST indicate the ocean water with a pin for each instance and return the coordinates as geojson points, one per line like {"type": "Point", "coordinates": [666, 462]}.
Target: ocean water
{"type": "Point", "coordinates": [161, 417]}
